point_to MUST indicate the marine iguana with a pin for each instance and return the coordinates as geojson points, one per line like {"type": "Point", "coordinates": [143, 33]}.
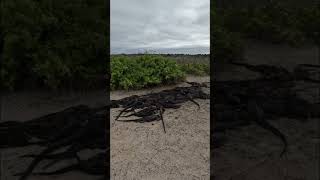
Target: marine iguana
{"type": "Point", "coordinates": [259, 118]}
{"type": "Point", "coordinates": [95, 165]}
{"type": "Point", "coordinates": [267, 71]}
{"type": "Point", "coordinates": [150, 107]}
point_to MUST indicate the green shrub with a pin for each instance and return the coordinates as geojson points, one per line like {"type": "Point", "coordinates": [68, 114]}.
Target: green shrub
{"type": "Point", "coordinates": [134, 72]}
{"type": "Point", "coordinates": [275, 22]}
{"type": "Point", "coordinates": [197, 69]}
{"type": "Point", "coordinates": [54, 43]}
{"type": "Point", "coordinates": [226, 45]}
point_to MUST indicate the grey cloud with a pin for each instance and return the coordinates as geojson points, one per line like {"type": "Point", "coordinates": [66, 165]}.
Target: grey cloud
{"type": "Point", "coordinates": [159, 24]}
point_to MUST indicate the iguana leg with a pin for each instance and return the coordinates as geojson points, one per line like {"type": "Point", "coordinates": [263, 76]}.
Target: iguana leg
{"type": "Point", "coordinates": [161, 113]}
{"type": "Point", "coordinates": [59, 171]}
{"type": "Point", "coordinates": [260, 120]}
{"type": "Point", "coordinates": [51, 148]}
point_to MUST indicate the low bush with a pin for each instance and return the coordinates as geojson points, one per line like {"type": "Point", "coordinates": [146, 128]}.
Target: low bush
{"type": "Point", "coordinates": [275, 22]}
{"type": "Point", "coordinates": [197, 69]}
{"type": "Point", "coordinates": [55, 44]}
{"type": "Point", "coordinates": [135, 72]}
{"type": "Point", "coordinates": [226, 45]}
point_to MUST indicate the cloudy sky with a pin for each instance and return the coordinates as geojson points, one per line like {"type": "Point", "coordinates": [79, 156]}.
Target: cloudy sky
{"type": "Point", "coordinates": [173, 26]}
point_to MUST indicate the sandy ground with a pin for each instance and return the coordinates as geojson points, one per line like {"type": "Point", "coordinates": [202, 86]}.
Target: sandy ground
{"type": "Point", "coordinates": [139, 151]}
{"type": "Point", "coordinates": [252, 153]}
{"type": "Point", "coordinates": [24, 106]}
{"type": "Point", "coordinates": [143, 151]}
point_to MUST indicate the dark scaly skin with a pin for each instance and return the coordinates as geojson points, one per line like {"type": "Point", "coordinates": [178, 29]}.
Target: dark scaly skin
{"type": "Point", "coordinates": [310, 65]}
{"type": "Point", "coordinates": [189, 98]}
{"type": "Point", "coordinates": [49, 149]}
{"type": "Point", "coordinates": [93, 166]}
{"type": "Point", "coordinates": [221, 127]}
{"type": "Point", "coordinates": [171, 106]}
{"type": "Point", "coordinates": [161, 110]}
{"type": "Point", "coordinates": [301, 73]}
{"type": "Point", "coordinates": [144, 112]}
{"type": "Point", "coordinates": [260, 120]}
{"type": "Point", "coordinates": [89, 141]}
{"type": "Point", "coordinates": [80, 131]}
{"type": "Point", "coordinates": [143, 119]}
{"type": "Point", "coordinates": [60, 171]}
{"type": "Point", "coordinates": [121, 112]}
{"type": "Point", "coordinates": [266, 70]}
{"type": "Point", "coordinates": [155, 103]}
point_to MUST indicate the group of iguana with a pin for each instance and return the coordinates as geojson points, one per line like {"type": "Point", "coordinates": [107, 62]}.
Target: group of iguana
{"type": "Point", "coordinates": [63, 135]}
{"type": "Point", "coordinates": [150, 107]}
{"type": "Point", "coordinates": [236, 103]}
{"type": "Point", "coordinates": [273, 95]}
{"type": "Point", "coordinates": [305, 72]}
{"type": "Point", "coordinates": [66, 133]}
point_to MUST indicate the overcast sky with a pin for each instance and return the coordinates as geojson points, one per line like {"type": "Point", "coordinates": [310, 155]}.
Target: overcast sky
{"type": "Point", "coordinates": [160, 25]}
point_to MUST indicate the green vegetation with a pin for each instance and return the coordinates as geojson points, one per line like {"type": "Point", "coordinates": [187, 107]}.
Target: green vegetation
{"type": "Point", "coordinates": [197, 69]}
{"type": "Point", "coordinates": [272, 22]}
{"type": "Point", "coordinates": [133, 72]}
{"type": "Point", "coordinates": [189, 58]}
{"type": "Point", "coordinates": [198, 65]}
{"type": "Point", "coordinates": [227, 45]}
{"type": "Point", "coordinates": [53, 43]}
{"type": "Point", "coordinates": [61, 44]}
{"type": "Point", "coordinates": [275, 22]}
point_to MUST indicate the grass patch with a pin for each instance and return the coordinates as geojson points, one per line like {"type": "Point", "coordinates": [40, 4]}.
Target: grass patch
{"type": "Point", "coordinates": [136, 72]}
